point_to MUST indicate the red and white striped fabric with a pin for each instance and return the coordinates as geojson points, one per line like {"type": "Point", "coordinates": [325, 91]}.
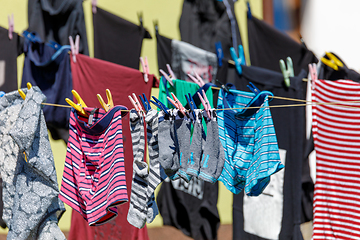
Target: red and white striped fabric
{"type": "Point", "coordinates": [336, 130]}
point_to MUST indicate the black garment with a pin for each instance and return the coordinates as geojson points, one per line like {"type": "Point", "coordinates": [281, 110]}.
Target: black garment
{"type": "Point", "coordinates": [49, 69]}
{"type": "Point", "coordinates": [267, 46]}
{"type": "Point", "coordinates": [290, 130]}
{"type": "Point", "coordinates": [190, 207]}
{"type": "Point", "coordinates": [164, 52]}
{"type": "Point", "coordinates": [344, 72]}
{"type": "Point", "coordinates": [9, 51]}
{"type": "Point", "coordinates": [117, 40]}
{"type": "Point", "coordinates": [56, 20]}
{"type": "Point", "coordinates": [307, 184]}
{"type": "Point", "coordinates": [205, 22]}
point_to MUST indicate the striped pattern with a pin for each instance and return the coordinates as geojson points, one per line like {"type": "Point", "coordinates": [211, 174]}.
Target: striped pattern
{"type": "Point", "coordinates": [93, 182]}
{"type": "Point", "coordinates": [250, 145]}
{"type": "Point", "coordinates": [336, 131]}
{"type": "Point", "coordinates": [137, 135]}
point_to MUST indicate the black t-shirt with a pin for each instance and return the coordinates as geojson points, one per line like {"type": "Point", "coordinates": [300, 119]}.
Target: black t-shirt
{"type": "Point", "coordinates": [268, 45]}
{"type": "Point", "coordinates": [205, 22]}
{"type": "Point", "coordinates": [190, 207]}
{"type": "Point", "coordinates": [9, 51]}
{"type": "Point", "coordinates": [56, 20]}
{"type": "Point", "coordinates": [289, 123]}
{"type": "Point", "coordinates": [117, 40]}
{"type": "Point", "coordinates": [164, 52]}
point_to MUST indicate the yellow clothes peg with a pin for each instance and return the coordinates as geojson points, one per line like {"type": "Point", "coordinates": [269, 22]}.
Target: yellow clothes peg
{"type": "Point", "coordinates": [332, 62]}
{"type": "Point", "coordinates": [21, 92]}
{"type": "Point", "coordinates": [79, 106]}
{"type": "Point", "coordinates": [110, 104]}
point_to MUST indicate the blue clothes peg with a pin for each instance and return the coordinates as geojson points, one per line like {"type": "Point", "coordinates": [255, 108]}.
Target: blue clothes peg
{"type": "Point", "coordinates": [249, 15]}
{"type": "Point", "coordinates": [145, 102]}
{"type": "Point", "coordinates": [2, 93]}
{"type": "Point", "coordinates": [287, 71]}
{"type": "Point", "coordinates": [191, 104]}
{"type": "Point", "coordinates": [238, 60]}
{"type": "Point", "coordinates": [257, 101]}
{"type": "Point", "coordinates": [160, 105]}
{"type": "Point", "coordinates": [219, 53]}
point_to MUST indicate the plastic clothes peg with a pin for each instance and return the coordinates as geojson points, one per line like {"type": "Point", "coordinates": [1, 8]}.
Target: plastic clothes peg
{"type": "Point", "coordinates": [21, 92]}
{"type": "Point", "coordinates": [145, 102]}
{"type": "Point", "coordinates": [80, 103]}
{"type": "Point", "coordinates": [135, 102]}
{"type": "Point", "coordinates": [177, 104]}
{"type": "Point", "coordinates": [2, 93]}
{"type": "Point", "coordinates": [172, 74]}
{"type": "Point", "coordinates": [145, 67]}
{"type": "Point", "coordinates": [166, 76]}
{"type": "Point", "coordinates": [238, 60]}
{"type": "Point", "coordinates": [110, 104]}
{"type": "Point", "coordinates": [195, 80]}
{"type": "Point", "coordinates": [74, 47]}
{"type": "Point", "coordinates": [94, 4]}
{"type": "Point", "coordinates": [249, 14]}
{"type": "Point", "coordinates": [313, 72]}
{"type": "Point", "coordinates": [191, 103]}
{"type": "Point", "coordinates": [11, 26]}
{"type": "Point", "coordinates": [160, 105]}
{"type": "Point", "coordinates": [287, 71]}
{"type": "Point", "coordinates": [332, 62]}
{"type": "Point", "coordinates": [205, 102]}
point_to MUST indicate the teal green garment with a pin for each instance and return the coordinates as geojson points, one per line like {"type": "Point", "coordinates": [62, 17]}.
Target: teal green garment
{"type": "Point", "coordinates": [180, 89]}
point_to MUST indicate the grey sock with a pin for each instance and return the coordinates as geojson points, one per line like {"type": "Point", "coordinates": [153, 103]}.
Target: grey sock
{"type": "Point", "coordinates": [156, 172]}
{"type": "Point", "coordinates": [138, 200]}
{"type": "Point", "coordinates": [213, 157]}
{"type": "Point", "coordinates": [137, 135]}
{"type": "Point", "coordinates": [183, 134]}
{"type": "Point", "coordinates": [168, 148]}
{"type": "Point", "coordinates": [193, 164]}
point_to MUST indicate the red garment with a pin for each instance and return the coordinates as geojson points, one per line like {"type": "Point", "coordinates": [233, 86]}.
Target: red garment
{"type": "Point", "coordinates": [90, 77]}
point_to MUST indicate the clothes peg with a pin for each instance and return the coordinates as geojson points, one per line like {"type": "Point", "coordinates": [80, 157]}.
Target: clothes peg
{"type": "Point", "coordinates": [145, 102]}
{"type": "Point", "coordinates": [313, 72]}
{"type": "Point", "coordinates": [202, 83]}
{"type": "Point", "coordinates": [223, 86]}
{"type": "Point", "coordinates": [145, 67]}
{"type": "Point", "coordinates": [253, 88]}
{"type": "Point", "coordinates": [257, 101]}
{"type": "Point", "coordinates": [11, 26]}
{"type": "Point", "coordinates": [21, 92]}
{"type": "Point", "coordinates": [191, 103]}
{"type": "Point", "coordinates": [2, 93]}
{"type": "Point", "coordinates": [110, 104]}
{"type": "Point", "coordinates": [219, 53]}
{"type": "Point", "coordinates": [205, 102]}
{"type": "Point", "coordinates": [79, 107]}
{"type": "Point", "coordinates": [249, 15]}
{"type": "Point", "coordinates": [332, 62]}
{"type": "Point", "coordinates": [136, 104]}
{"type": "Point", "coordinates": [160, 105]}
{"type": "Point", "coordinates": [94, 4]}
{"type": "Point", "coordinates": [195, 80]}
{"type": "Point", "coordinates": [287, 72]}
{"type": "Point", "coordinates": [74, 46]}
{"type": "Point", "coordinates": [177, 104]}
{"type": "Point", "coordinates": [172, 74]}
{"type": "Point", "coordinates": [140, 16]}
{"type": "Point", "coordinates": [238, 60]}
{"type": "Point", "coordinates": [156, 26]}
{"type": "Point", "coordinates": [166, 76]}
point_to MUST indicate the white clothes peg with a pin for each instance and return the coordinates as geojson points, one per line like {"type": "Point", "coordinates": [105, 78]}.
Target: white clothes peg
{"type": "Point", "coordinates": [74, 47]}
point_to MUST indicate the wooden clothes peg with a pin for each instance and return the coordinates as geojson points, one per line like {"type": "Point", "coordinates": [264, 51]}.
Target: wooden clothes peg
{"type": "Point", "coordinates": [287, 71]}
{"type": "Point", "coordinates": [11, 26]}
{"type": "Point", "coordinates": [80, 103]}
{"type": "Point", "coordinates": [110, 104]}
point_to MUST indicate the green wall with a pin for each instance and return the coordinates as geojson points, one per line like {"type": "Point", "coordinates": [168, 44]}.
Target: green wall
{"type": "Point", "coordinates": [167, 12]}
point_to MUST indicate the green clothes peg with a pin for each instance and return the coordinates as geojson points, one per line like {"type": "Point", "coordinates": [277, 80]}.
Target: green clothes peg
{"type": "Point", "coordinates": [287, 72]}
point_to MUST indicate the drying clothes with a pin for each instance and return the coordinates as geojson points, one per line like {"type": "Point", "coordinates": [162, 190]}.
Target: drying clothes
{"type": "Point", "coordinates": [56, 20]}
{"type": "Point", "coordinates": [268, 45]}
{"type": "Point", "coordinates": [121, 81]}
{"type": "Point", "coordinates": [250, 144]}
{"type": "Point", "coordinates": [188, 206]}
{"type": "Point", "coordinates": [9, 51]}
{"type": "Point", "coordinates": [278, 209]}
{"type": "Point", "coordinates": [163, 48]}
{"type": "Point", "coordinates": [30, 189]}
{"type": "Point", "coordinates": [94, 173]}
{"type": "Point", "coordinates": [203, 23]}
{"type": "Point", "coordinates": [49, 69]}
{"type": "Point", "coordinates": [328, 73]}
{"type": "Point", "coordinates": [117, 40]}
{"type": "Point", "coordinates": [336, 130]}
{"type": "Point", "coordinates": [188, 59]}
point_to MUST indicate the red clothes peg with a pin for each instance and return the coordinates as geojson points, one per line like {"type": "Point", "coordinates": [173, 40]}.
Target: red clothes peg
{"type": "Point", "coordinates": [177, 104]}
{"type": "Point", "coordinates": [135, 102]}
{"type": "Point", "coordinates": [145, 67]}
{"type": "Point", "coordinates": [11, 26]}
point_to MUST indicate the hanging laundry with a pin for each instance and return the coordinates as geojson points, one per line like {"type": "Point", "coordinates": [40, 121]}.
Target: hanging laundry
{"type": "Point", "coordinates": [117, 40]}
{"type": "Point", "coordinates": [90, 77]}
{"type": "Point", "coordinates": [188, 206]}
{"type": "Point", "coordinates": [163, 48]}
{"type": "Point", "coordinates": [203, 23]}
{"type": "Point", "coordinates": [278, 210]}
{"type": "Point", "coordinates": [56, 20]}
{"type": "Point", "coordinates": [250, 144]}
{"type": "Point", "coordinates": [94, 173]}
{"type": "Point", "coordinates": [9, 51]}
{"type": "Point", "coordinates": [268, 45]}
{"type": "Point", "coordinates": [326, 72]}
{"type": "Point", "coordinates": [48, 67]}
{"type": "Point", "coordinates": [336, 131]}
{"type": "Point", "coordinates": [30, 189]}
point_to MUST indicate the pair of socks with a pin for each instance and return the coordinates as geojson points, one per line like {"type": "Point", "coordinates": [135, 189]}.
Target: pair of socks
{"type": "Point", "coordinates": [143, 207]}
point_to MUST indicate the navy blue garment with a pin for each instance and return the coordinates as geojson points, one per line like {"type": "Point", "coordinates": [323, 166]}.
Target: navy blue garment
{"type": "Point", "coordinates": [48, 67]}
